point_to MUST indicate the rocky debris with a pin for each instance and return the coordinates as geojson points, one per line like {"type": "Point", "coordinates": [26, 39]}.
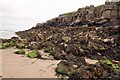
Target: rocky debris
{"type": "Point", "coordinates": [93, 42]}
{"type": "Point", "coordinates": [99, 70]}
{"type": "Point", "coordinates": [102, 69]}
{"type": "Point", "coordinates": [46, 55]}
{"type": "Point", "coordinates": [65, 68]}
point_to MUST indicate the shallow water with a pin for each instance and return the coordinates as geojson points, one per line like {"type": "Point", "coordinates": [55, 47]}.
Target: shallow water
{"type": "Point", "coordinates": [7, 34]}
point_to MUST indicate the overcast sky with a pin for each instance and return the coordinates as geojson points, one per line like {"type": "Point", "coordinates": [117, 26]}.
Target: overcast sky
{"type": "Point", "coordinates": [23, 14]}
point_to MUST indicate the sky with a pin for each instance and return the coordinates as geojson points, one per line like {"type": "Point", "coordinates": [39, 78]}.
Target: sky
{"type": "Point", "coordinates": [17, 15]}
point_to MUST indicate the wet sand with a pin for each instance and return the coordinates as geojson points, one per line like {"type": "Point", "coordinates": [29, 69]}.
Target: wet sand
{"type": "Point", "coordinates": [19, 66]}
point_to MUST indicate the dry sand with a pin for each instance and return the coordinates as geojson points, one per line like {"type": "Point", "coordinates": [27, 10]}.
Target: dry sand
{"type": "Point", "coordinates": [19, 66]}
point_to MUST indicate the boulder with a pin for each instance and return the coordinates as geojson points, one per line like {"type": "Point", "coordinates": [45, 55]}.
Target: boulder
{"type": "Point", "coordinates": [65, 68]}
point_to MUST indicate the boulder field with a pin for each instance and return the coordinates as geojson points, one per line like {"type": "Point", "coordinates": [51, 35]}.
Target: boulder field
{"type": "Point", "coordinates": [90, 32]}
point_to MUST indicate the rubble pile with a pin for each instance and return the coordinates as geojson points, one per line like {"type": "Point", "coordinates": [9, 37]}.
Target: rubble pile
{"type": "Point", "coordinates": [90, 32]}
{"type": "Point", "coordinates": [92, 42]}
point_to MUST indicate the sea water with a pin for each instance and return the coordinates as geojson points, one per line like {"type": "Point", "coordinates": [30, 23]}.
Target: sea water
{"type": "Point", "coordinates": [7, 34]}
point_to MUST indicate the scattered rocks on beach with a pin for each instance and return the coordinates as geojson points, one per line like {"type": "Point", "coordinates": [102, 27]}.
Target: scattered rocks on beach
{"type": "Point", "coordinates": [92, 42]}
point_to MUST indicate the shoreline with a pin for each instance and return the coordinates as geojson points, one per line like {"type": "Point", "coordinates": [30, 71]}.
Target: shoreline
{"type": "Point", "coordinates": [7, 34]}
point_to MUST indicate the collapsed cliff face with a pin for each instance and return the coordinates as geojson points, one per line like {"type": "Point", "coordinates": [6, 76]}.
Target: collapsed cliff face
{"type": "Point", "coordinates": [75, 36]}
{"type": "Point", "coordinates": [65, 32]}
{"type": "Point", "coordinates": [103, 15]}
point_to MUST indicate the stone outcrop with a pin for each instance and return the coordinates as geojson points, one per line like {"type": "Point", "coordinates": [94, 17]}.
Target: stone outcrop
{"type": "Point", "coordinates": [103, 15]}
{"type": "Point", "coordinates": [64, 37]}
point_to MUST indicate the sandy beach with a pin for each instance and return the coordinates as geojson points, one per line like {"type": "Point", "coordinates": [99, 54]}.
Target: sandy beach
{"type": "Point", "coordinates": [20, 66]}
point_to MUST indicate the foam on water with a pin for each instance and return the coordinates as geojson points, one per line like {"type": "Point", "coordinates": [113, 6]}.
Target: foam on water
{"type": "Point", "coordinates": [7, 34]}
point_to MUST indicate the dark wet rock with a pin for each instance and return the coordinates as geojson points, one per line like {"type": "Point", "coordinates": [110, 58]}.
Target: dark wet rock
{"type": "Point", "coordinates": [93, 42]}
{"type": "Point", "coordinates": [58, 54]}
{"type": "Point", "coordinates": [95, 71]}
{"type": "Point", "coordinates": [96, 46]}
{"type": "Point", "coordinates": [33, 45]}
{"type": "Point", "coordinates": [65, 68]}
{"type": "Point", "coordinates": [101, 21]}
{"type": "Point", "coordinates": [20, 45]}
{"type": "Point", "coordinates": [15, 39]}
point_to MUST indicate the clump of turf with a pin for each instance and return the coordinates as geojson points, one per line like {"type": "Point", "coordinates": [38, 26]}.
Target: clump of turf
{"type": "Point", "coordinates": [48, 51]}
{"type": "Point", "coordinates": [5, 45]}
{"type": "Point", "coordinates": [20, 51]}
{"type": "Point", "coordinates": [33, 54]}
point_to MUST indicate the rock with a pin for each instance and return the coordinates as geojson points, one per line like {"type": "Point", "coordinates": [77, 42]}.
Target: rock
{"type": "Point", "coordinates": [66, 38]}
{"type": "Point", "coordinates": [90, 61]}
{"type": "Point", "coordinates": [15, 39]}
{"type": "Point", "coordinates": [33, 45]}
{"type": "Point", "coordinates": [83, 39]}
{"type": "Point", "coordinates": [98, 70]}
{"type": "Point", "coordinates": [45, 55]}
{"type": "Point", "coordinates": [48, 51]}
{"type": "Point", "coordinates": [78, 41]}
{"type": "Point", "coordinates": [57, 54]}
{"type": "Point", "coordinates": [96, 46]}
{"type": "Point", "coordinates": [65, 68]}
{"type": "Point", "coordinates": [109, 40]}
{"type": "Point", "coordinates": [89, 15]}
{"type": "Point", "coordinates": [20, 46]}
{"type": "Point", "coordinates": [101, 21]}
